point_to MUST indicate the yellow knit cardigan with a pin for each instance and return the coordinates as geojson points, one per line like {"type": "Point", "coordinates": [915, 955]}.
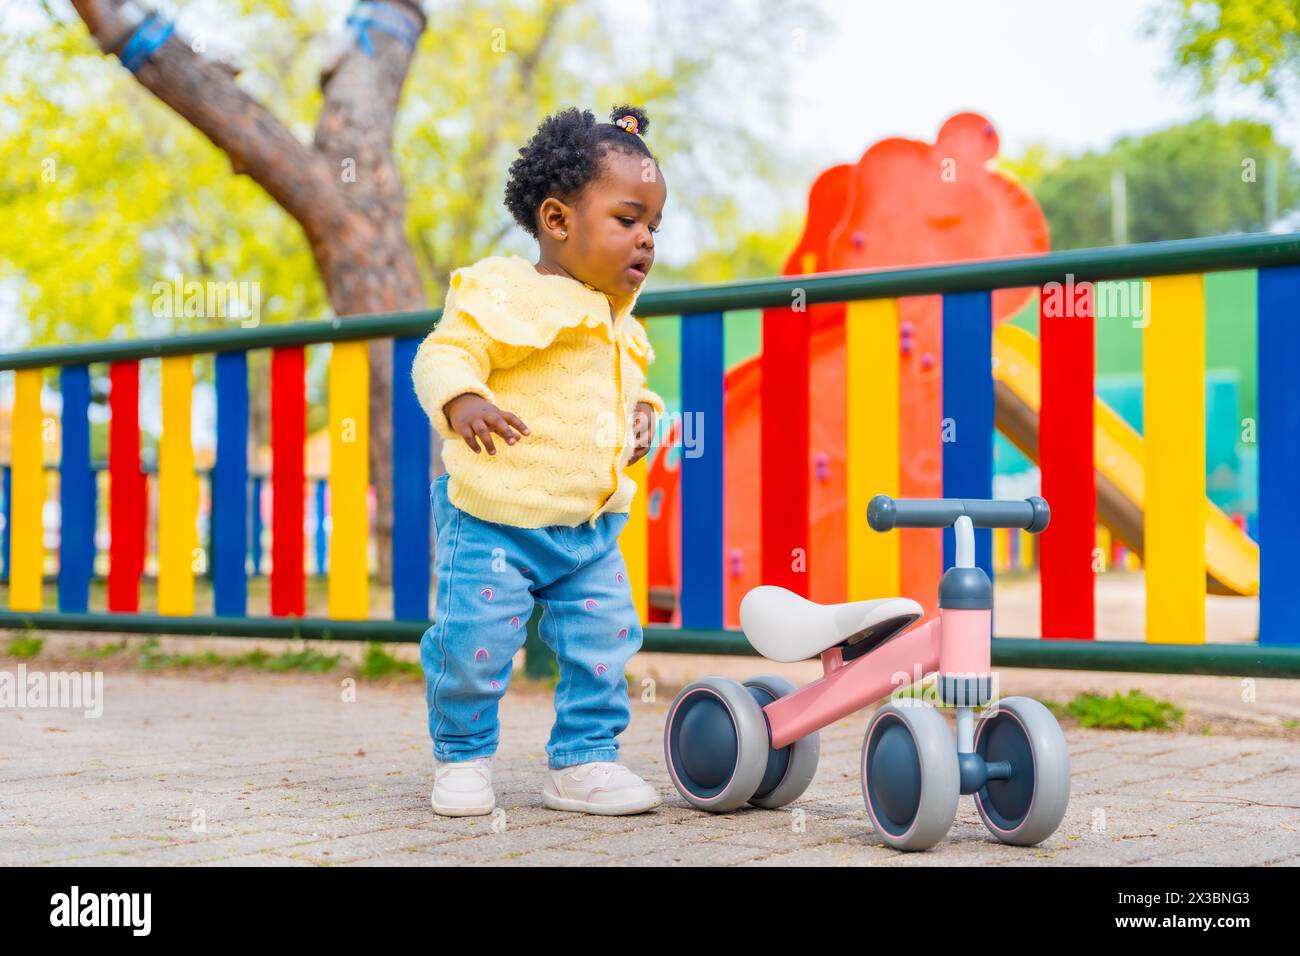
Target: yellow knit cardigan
{"type": "Point", "coordinates": [566, 358]}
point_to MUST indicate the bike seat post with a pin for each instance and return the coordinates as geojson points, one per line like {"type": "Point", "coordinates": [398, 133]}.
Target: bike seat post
{"type": "Point", "coordinates": [964, 666]}
{"type": "Point", "coordinates": [964, 533]}
{"type": "Point", "coordinates": [965, 612]}
{"type": "Point", "coordinates": [965, 674]}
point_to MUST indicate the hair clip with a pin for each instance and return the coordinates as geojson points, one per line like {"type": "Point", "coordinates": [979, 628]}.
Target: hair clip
{"type": "Point", "coordinates": [628, 123]}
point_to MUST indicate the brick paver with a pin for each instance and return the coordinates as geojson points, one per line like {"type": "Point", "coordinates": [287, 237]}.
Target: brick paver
{"type": "Point", "coordinates": [261, 769]}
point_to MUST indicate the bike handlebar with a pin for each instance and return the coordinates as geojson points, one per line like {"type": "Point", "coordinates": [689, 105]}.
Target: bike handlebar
{"type": "Point", "coordinates": [885, 513]}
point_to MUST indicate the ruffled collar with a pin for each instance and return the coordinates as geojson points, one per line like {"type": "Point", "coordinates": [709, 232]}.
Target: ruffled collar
{"type": "Point", "coordinates": [565, 289]}
{"type": "Point", "coordinates": [515, 303]}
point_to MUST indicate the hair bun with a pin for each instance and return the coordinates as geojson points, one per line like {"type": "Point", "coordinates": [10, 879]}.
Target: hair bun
{"type": "Point", "coordinates": [630, 118]}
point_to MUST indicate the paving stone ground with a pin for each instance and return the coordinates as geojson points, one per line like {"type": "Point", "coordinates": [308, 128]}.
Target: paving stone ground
{"type": "Point", "coordinates": [246, 768]}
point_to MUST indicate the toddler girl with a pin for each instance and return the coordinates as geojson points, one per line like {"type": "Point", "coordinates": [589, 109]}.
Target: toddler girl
{"type": "Point", "coordinates": [536, 377]}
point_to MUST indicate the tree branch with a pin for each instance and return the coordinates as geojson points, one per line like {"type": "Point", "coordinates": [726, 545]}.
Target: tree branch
{"type": "Point", "coordinates": [519, 92]}
{"type": "Point", "coordinates": [204, 93]}
{"type": "Point", "coordinates": [362, 92]}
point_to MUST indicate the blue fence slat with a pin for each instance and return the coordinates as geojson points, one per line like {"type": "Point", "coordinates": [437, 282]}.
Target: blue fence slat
{"type": "Point", "coordinates": [256, 540]}
{"type": "Point", "coordinates": [968, 412]}
{"type": "Point", "coordinates": [7, 489]}
{"type": "Point", "coordinates": [319, 538]}
{"type": "Point", "coordinates": [702, 475]}
{"type": "Point", "coordinates": [76, 512]}
{"type": "Point", "coordinates": [1278, 343]}
{"type": "Point", "coordinates": [95, 472]}
{"type": "Point", "coordinates": [211, 478]}
{"type": "Point", "coordinates": [412, 514]}
{"type": "Point", "coordinates": [230, 488]}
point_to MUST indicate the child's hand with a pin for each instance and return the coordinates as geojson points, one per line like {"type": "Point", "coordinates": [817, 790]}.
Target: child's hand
{"type": "Point", "coordinates": [643, 420]}
{"type": "Point", "coordinates": [473, 417]}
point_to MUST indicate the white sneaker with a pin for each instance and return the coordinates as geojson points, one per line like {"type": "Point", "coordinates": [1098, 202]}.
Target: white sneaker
{"type": "Point", "coordinates": [463, 788]}
{"type": "Point", "coordinates": [600, 787]}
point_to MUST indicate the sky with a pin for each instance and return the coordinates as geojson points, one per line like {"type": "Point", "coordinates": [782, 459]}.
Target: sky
{"type": "Point", "coordinates": [1074, 75]}
{"type": "Point", "coordinates": [1071, 75]}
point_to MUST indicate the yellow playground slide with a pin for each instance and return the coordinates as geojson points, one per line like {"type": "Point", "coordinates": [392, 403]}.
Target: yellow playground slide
{"type": "Point", "coordinates": [1232, 558]}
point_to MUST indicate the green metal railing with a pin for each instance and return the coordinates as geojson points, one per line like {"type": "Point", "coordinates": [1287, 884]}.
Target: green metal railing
{"type": "Point", "coordinates": [1174, 257]}
{"type": "Point", "coordinates": [1156, 259]}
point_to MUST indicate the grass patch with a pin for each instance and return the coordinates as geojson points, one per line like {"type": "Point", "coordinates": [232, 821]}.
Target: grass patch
{"type": "Point", "coordinates": [256, 659]}
{"type": "Point", "coordinates": [1132, 711]}
{"type": "Point", "coordinates": [311, 661]}
{"type": "Point", "coordinates": [307, 661]}
{"type": "Point", "coordinates": [1058, 709]}
{"type": "Point", "coordinates": [377, 662]}
{"type": "Point", "coordinates": [24, 648]}
{"type": "Point", "coordinates": [152, 657]}
{"type": "Point", "coordinates": [101, 650]}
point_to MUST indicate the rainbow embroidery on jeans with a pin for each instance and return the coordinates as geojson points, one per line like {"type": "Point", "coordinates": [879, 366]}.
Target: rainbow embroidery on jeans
{"type": "Point", "coordinates": [591, 604]}
{"type": "Point", "coordinates": [481, 654]}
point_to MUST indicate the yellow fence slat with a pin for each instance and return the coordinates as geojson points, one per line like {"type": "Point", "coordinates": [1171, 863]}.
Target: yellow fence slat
{"type": "Point", "coordinates": [1025, 549]}
{"type": "Point", "coordinates": [1173, 401]}
{"type": "Point", "coordinates": [1001, 549]}
{"type": "Point", "coordinates": [634, 540]}
{"type": "Point", "coordinates": [871, 444]}
{"type": "Point", "coordinates": [349, 414]}
{"type": "Point", "coordinates": [26, 549]}
{"type": "Point", "coordinates": [177, 490]}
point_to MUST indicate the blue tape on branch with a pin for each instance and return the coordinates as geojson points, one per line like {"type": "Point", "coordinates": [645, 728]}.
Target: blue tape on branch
{"type": "Point", "coordinates": [152, 33]}
{"type": "Point", "coordinates": [368, 16]}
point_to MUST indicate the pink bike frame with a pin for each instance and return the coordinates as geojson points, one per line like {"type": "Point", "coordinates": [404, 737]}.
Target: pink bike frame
{"type": "Point", "coordinates": [956, 642]}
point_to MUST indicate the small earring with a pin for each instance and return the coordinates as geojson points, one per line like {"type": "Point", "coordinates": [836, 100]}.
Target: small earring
{"type": "Point", "coordinates": [564, 235]}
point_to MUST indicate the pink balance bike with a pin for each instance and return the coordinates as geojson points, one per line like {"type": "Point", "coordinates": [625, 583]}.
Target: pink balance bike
{"type": "Point", "coordinates": [727, 744]}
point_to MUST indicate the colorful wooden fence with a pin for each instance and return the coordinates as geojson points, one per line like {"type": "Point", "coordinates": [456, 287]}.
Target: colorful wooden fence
{"type": "Point", "coordinates": [233, 549]}
{"type": "Point", "coordinates": [1175, 525]}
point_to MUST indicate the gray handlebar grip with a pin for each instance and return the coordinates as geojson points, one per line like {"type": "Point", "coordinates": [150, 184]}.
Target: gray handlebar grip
{"type": "Point", "coordinates": [885, 513]}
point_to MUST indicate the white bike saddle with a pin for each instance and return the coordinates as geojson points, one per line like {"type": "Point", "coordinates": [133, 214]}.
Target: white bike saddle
{"type": "Point", "coordinates": [782, 626]}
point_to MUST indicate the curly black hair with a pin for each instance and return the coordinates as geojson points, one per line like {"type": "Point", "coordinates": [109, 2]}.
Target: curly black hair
{"type": "Point", "coordinates": [564, 156]}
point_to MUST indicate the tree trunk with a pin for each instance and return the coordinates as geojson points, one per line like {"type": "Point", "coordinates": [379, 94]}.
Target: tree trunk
{"type": "Point", "coordinates": [344, 190]}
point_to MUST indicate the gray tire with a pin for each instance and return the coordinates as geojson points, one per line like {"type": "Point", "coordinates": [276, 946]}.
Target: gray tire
{"type": "Point", "coordinates": [910, 779]}
{"type": "Point", "coordinates": [716, 744]}
{"type": "Point", "coordinates": [792, 768]}
{"type": "Point", "coordinates": [1028, 807]}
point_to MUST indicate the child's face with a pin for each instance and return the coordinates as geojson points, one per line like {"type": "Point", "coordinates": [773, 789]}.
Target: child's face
{"type": "Point", "coordinates": [611, 244]}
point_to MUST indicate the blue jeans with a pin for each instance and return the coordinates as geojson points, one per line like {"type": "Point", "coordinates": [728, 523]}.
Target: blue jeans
{"type": "Point", "coordinates": [488, 578]}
